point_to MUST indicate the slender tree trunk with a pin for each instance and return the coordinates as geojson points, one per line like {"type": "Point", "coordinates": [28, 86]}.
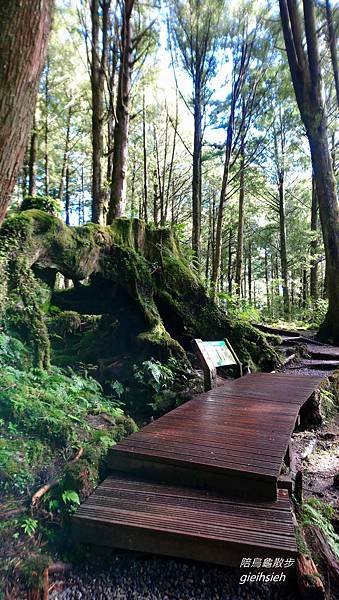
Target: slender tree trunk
{"type": "Point", "coordinates": [155, 198]}
{"type": "Point", "coordinates": [163, 214]}
{"type": "Point", "coordinates": [332, 42]}
{"type": "Point", "coordinates": [98, 66]}
{"type": "Point", "coordinates": [32, 160]}
{"type": "Point", "coordinates": [196, 174]}
{"type": "Point", "coordinates": [112, 68]}
{"type": "Point", "coordinates": [283, 245]}
{"type": "Point", "coordinates": [249, 271]}
{"type": "Point", "coordinates": [209, 241]}
{"type": "Point", "coordinates": [120, 153]}
{"type": "Point", "coordinates": [171, 166]}
{"type": "Point", "coordinates": [304, 289]}
{"type": "Point", "coordinates": [67, 196]}
{"type": "Point", "coordinates": [65, 156]}
{"type": "Point", "coordinates": [314, 246]}
{"type": "Point", "coordinates": [241, 218]}
{"type": "Point", "coordinates": [145, 202]}
{"type": "Point", "coordinates": [267, 282]}
{"type": "Point", "coordinates": [25, 28]}
{"type": "Point", "coordinates": [133, 211]}
{"type": "Point", "coordinates": [46, 130]}
{"type": "Point", "coordinates": [229, 263]}
{"type": "Point", "coordinates": [220, 218]}
{"type": "Point", "coordinates": [24, 176]}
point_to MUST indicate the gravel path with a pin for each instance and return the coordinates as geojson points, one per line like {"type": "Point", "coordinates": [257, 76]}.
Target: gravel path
{"type": "Point", "coordinates": [129, 577]}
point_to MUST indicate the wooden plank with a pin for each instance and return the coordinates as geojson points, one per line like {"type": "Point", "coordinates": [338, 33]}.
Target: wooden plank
{"type": "Point", "coordinates": [223, 430]}
{"type": "Point", "coordinates": [133, 514]}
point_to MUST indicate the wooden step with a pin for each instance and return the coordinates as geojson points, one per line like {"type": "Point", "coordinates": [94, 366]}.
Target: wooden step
{"type": "Point", "coordinates": [133, 514]}
{"type": "Point", "coordinates": [232, 439]}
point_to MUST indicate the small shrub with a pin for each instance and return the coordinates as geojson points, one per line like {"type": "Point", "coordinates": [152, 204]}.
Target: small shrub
{"type": "Point", "coordinates": [45, 203]}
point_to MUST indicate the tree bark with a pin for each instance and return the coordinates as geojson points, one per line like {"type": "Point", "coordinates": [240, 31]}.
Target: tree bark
{"type": "Point", "coordinates": [306, 77]}
{"type": "Point", "coordinates": [314, 246]}
{"type": "Point", "coordinates": [145, 199]}
{"type": "Point", "coordinates": [24, 34]}
{"type": "Point", "coordinates": [32, 160]}
{"type": "Point", "coordinates": [196, 172]}
{"type": "Point", "coordinates": [120, 152]}
{"type": "Point", "coordinates": [241, 218]}
{"type": "Point", "coordinates": [98, 66]}
{"type": "Point", "coordinates": [65, 157]}
{"type": "Point", "coordinates": [67, 196]}
{"type": "Point", "coordinates": [46, 130]}
{"type": "Point", "coordinates": [267, 284]}
{"type": "Point", "coordinates": [333, 47]}
{"type": "Point", "coordinates": [249, 271]}
{"type": "Point", "coordinates": [283, 246]}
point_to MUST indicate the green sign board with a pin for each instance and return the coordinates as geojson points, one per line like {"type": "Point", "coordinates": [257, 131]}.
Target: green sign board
{"type": "Point", "coordinates": [219, 353]}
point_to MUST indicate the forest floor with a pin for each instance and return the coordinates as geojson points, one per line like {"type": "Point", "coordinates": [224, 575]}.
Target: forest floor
{"type": "Point", "coordinates": [128, 576]}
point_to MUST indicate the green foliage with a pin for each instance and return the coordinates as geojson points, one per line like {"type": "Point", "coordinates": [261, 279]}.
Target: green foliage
{"type": "Point", "coordinates": [71, 499]}
{"type": "Point", "coordinates": [41, 412]}
{"type": "Point", "coordinates": [314, 315]}
{"type": "Point", "coordinates": [240, 308]}
{"type": "Point", "coordinates": [45, 203]}
{"type": "Point", "coordinates": [153, 374]}
{"type": "Point", "coordinates": [13, 352]}
{"type": "Point", "coordinates": [316, 512]}
{"type": "Point", "coordinates": [29, 526]}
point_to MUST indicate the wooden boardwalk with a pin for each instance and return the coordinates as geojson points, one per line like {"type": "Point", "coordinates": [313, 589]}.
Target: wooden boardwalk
{"type": "Point", "coordinates": [187, 523]}
{"type": "Point", "coordinates": [203, 481]}
{"type": "Point", "coordinates": [232, 439]}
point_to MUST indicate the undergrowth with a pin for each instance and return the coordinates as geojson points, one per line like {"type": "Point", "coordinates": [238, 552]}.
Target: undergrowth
{"type": "Point", "coordinates": [316, 512]}
{"type": "Point", "coordinates": [46, 418]}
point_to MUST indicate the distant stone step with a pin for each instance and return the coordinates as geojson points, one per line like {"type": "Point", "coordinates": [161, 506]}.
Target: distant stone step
{"type": "Point", "coordinates": [322, 365]}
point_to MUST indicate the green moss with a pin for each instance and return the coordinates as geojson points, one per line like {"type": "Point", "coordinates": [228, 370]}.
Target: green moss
{"type": "Point", "coordinates": [64, 322]}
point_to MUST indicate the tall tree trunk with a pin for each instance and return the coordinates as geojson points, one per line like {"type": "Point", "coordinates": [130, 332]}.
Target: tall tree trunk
{"type": "Point", "coordinates": [196, 173]}
{"type": "Point", "coordinates": [332, 42]}
{"type": "Point", "coordinates": [24, 34]}
{"type": "Point", "coordinates": [24, 175]}
{"type": "Point", "coordinates": [229, 263]}
{"type": "Point", "coordinates": [67, 196]}
{"type": "Point", "coordinates": [65, 156]}
{"type": "Point", "coordinates": [145, 199]}
{"type": "Point", "coordinates": [120, 151]}
{"type": "Point", "coordinates": [241, 218]}
{"type": "Point", "coordinates": [314, 246]}
{"type": "Point", "coordinates": [155, 197]}
{"type": "Point", "coordinates": [32, 160]}
{"type": "Point", "coordinates": [98, 66]}
{"type": "Point", "coordinates": [306, 77]}
{"type": "Point", "coordinates": [112, 69]}
{"type": "Point", "coordinates": [267, 281]}
{"type": "Point", "coordinates": [46, 131]}
{"type": "Point", "coordinates": [283, 245]}
{"type": "Point", "coordinates": [220, 217]}
{"type": "Point", "coordinates": [249, 271]}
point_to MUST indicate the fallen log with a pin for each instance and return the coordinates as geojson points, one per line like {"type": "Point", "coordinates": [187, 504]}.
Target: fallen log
{"type": "Point", "coordinates": [36, 498]}
{"type": "Point", "coordinates": [325, 556]}
{"type": "Point", "coordinates": [309, 581]}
